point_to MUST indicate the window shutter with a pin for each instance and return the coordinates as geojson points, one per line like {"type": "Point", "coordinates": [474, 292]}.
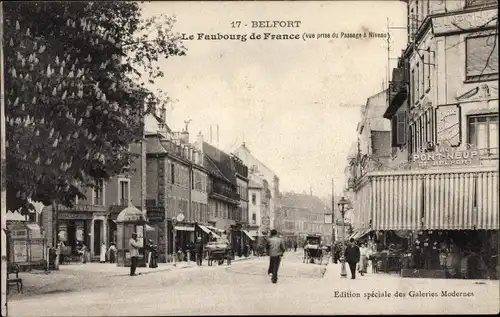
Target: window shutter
{"type": "Point", "coordinates": [401, 128]}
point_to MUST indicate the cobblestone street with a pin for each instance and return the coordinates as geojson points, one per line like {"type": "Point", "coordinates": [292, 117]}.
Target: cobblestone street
{"type": "Point", "coordinates": [244, 288]}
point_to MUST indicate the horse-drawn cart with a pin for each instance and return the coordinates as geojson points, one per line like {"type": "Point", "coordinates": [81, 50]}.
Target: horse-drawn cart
{"type": "Point", "coordinates": [216, 251]}
{"type": "Point", "coordinates": [313, 249]}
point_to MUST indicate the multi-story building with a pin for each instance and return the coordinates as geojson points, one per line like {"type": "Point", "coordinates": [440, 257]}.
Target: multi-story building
{"type": "Point", "coordinates": [259, 169]}
{"type": "Point", "coordinates": [443, 107]}
{"type": "Point", "coordinates": [228, 195]}
{"type": "Point", "coordinates": [91, 221]}
{"type": "Point", "coordinates": [177, 190]}
{"type": "Point", "coordinates": [302, 214]}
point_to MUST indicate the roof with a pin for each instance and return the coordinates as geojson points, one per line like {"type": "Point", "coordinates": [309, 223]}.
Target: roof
{"type": "Point", "coordinates": [303, 201]}
{"type": "Point", "coordinates": [247, 150]}
{"type": "Point", "coordinates": [254, 184]}
{"type": "Point", "coordinates": [153, 145]}
{"type": "Point", "coordinates": [222, 161]}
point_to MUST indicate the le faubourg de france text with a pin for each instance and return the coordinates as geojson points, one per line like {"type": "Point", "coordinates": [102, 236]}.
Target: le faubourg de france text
{"type": "Point", "coordinates": [243, 37]}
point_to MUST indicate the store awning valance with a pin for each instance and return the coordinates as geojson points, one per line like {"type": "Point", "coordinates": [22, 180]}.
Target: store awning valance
{"type": "Point", "coordinates": [248, 235]}
{"type": "Point", "coordinates": [435, 200]}
{"type": "Point", "coordinates": [181, 228]}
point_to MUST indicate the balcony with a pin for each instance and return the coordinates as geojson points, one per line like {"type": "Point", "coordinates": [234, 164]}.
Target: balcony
{"type": "Point", "coordinates": [217, 189]}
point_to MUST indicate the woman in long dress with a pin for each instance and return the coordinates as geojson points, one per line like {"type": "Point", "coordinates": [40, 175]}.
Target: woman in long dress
{"type": "Point", "coordinates": [363, 252]}
{"type": "Point", "coordinates": [102, 256]}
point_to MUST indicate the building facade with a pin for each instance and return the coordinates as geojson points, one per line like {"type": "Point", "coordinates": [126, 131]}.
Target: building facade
{"type": "Point", "coordinates": [91, 221]}
{"type": "Point", "coordinates": [443, 109]}
{"type": "Point", "coordinates": [303, 214]}
{"type": "Point", "coordinates": [260, 170]}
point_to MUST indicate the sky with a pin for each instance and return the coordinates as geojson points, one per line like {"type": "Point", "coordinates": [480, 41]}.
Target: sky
{"type": "Point", "coordinates": [294, 103]}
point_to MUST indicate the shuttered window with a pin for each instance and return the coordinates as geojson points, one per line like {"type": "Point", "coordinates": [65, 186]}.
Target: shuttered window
{"type": "Point", "coordinates": [482, 57]}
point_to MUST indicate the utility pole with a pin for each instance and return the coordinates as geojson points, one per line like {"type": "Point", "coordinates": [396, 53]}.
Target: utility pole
{"type": "Point", "coordinates": [3, 161]}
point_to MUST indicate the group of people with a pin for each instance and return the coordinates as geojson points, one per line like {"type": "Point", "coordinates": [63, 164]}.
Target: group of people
{"type": "Point", "coordinates": [356, 257]}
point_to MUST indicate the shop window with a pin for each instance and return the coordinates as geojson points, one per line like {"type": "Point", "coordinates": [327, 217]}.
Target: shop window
{"type": "Point", "coordinates": [483, 133]}
{"type": "Point", "coordinates": [482, 57]}
{"type": "Point", "coordinates": [98, 193]}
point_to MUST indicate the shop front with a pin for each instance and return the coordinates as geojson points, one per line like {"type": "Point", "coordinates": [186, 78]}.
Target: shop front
{"type": "Point", "coordinates": [75, 229]}
{"type": "Point", "coordinates": [433, 223]}
{"type": "Point", "coordinates": [157, 233]}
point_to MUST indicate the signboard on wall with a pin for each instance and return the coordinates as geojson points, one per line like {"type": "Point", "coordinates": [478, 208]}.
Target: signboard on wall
{"type": "Point", "coordinates": [448, 121]}
{"type": "Point", "coordinates": [446, 156]}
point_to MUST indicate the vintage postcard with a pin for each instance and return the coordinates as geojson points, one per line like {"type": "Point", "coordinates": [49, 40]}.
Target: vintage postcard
{"type": "Point", "coordinates": [183, 158]}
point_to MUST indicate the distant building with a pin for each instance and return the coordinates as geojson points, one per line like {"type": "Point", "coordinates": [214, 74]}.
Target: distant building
{"type": "Point", "coordinates": [259, 169]}
{"type": "Point", "coordinates": [302, 214]}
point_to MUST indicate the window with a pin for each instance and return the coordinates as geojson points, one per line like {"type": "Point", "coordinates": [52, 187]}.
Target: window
{"type": "Point", "coordinates": [254, 199]}
{"type": "Point", "coordinates": [124, 192]}
{"type": "Point", "coordinates": [483, 133]}
{"type": "Point", "coordinates": [399, 129]}
{"type": "Point", "coordinates": [479, 3]}
{"type": "Point", "coordinates": [421, 80]}
{"type": "Point", "coordinates": [413, 88]}
{"type": "Point", "coordinates": [482, 57]}
{"type": "Point", "coordinates": [98, 193]}
{"type": "Point", "coordinates": [427, 69]}
{"type": "Point", "coordinates": [254, 218]}
{"type": "Point", "coordinates": [172, 173]}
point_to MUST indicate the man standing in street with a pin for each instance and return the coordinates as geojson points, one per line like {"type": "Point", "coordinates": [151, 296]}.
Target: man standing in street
{"type": "Point", "coordinates": [133, 247]}
{"type": "Point", "coordinates": [352, 256]}
{"type": "Point", "coordinates": [198, 248]}
{"type": "Point", "coordinates": [275, 249]}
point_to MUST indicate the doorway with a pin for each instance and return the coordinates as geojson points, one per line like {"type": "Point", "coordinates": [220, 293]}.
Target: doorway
{"type": "Point", "coordinates": [97, 237]}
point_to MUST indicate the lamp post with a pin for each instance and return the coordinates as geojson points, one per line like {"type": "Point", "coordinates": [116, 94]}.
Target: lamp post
{"type": "Point", "coordinates": [342, 202]}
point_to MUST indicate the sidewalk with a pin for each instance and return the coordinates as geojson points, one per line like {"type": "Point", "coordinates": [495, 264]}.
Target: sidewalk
{"type": "Point", "coordinates": [332, 275]}
{"type": "Point", "coordinates": [104, 268]}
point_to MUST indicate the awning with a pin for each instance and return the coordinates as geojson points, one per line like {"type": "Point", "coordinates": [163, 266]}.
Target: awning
{"type": "Point", "coordinates": [149, 228]}
{"type": "Point", "coordinates": [434, 199]}
{"type": "Point", "coordinates": [361, 233]}
{"type": "Point", "coordinates": [215, 229]}
{"type": "Point", "coordinates": [179, 228]}
{"type": "Point", "coordinates": [208, 231]}
{"type": "Point", "coordinates": [248, 235]}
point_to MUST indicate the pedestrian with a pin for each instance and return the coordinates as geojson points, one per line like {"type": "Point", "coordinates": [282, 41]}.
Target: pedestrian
{"type": "Point", "coordinates": [112, 253]}
{"type": "Point", "coordinates": [229, 256]}
{"type": "Point", "coordinates": [352, 256]}
{"type": "Point", "coordinates": [295, 246]}
{"type": "Point", "coordinates": [363, 262]}
{"type": "Point", "coordinates": [133, 248]}
{"type": "Point", "coordinates": [102, 255]}
{"type": "Point", "coordinates": [275, 249]}
{"type": "Point", "coordinates": [83, 253]}
{"type": "Point", "coordinates": [153, 255]}
{"type": "Point", "coordinates": [198, 248]}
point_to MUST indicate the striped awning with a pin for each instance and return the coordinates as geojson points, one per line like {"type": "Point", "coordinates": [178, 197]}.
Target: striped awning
{"type": "Point", "coordinates": [434, 199]}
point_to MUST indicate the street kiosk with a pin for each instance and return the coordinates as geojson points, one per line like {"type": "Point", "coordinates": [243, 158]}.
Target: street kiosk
{"type": "Point", "coordinates": [130, 220]}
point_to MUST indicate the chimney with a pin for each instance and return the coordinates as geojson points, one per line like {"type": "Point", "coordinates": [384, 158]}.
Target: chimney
{"type": "Point", "coordinates": [184, 137]}
{"type": "Point", "coordinates": [199, 145]}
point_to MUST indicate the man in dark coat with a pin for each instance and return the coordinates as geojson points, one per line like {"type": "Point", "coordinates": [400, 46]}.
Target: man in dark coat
{"type": "Point", "coordinates": [275, 248]}
{"type": "Point", "coordinates": [352, 256]}
{"type": "Point", "coordinates": [198, 249]}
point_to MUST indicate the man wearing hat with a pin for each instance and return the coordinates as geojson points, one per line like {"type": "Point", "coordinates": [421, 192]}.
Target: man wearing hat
{"type": "Point", "coordinates": [133, 247]}
{"type": "Point", "coordinates": [198, 247]}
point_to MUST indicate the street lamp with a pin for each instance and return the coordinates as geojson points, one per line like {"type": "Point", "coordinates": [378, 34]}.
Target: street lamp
{"type": "Point", "coordinates": [342, 202]}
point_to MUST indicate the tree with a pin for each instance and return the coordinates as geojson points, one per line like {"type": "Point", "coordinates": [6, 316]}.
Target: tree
{"type": "Point", "coordinates": [75, 93]}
